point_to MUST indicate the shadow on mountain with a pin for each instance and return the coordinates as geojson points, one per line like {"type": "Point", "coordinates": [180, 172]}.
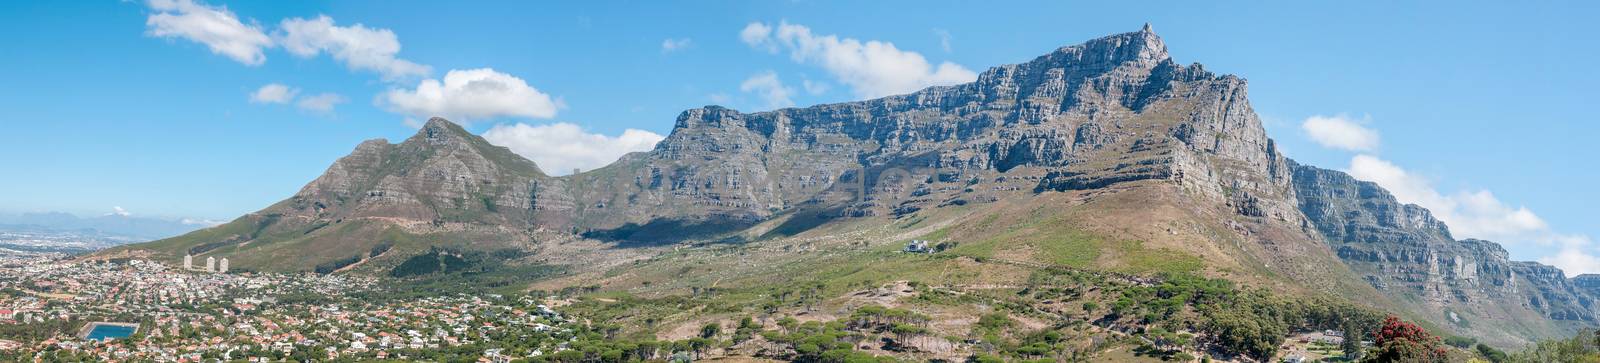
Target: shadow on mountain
{"type": "Point", "coordinates": [669, 231]}
{"type": "Point", "coordinates": [804, 220]}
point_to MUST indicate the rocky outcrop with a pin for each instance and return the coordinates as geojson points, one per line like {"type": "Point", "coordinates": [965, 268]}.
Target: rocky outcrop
{"type": "Point", "coordinates": [1404, 251]}
{"type": "Point", "coordinates": [442, 174]}
{"type": "Point", "coordinates": [1112, 110]}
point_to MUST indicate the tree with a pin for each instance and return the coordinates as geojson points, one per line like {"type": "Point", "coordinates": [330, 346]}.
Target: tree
{"type": "Point", "coordinates": [699, 345]}
{"type": "Point", "coordinates": [984, 358]}
{"type": "Point", "coordinates": [788, 323]}
{"type": "Point", "coordinates": [1583, 347]}
{"type": "Point", "coordinates": [1493, 355]}
{"type": "Point", "coordinates": [710, 330]}
{"type": "Point", "coordinates": [1400, 341]}
{"type": "Point", "coordinates": [1460, 341]}
{"type": "Point", "coordinates": [1352, 341]}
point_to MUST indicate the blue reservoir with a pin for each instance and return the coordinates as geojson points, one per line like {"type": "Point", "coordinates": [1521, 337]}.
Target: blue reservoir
{"type": "Point", "coordinates": [103, 331]}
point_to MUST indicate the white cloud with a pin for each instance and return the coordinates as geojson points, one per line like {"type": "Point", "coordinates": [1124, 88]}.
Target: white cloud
{"type": "Point", "coordinates": [771, 90]}
{"type": "Point", "coordinates": [201, 222]}
{"type": "Point", "coordinates": [1406, 187]}
{"type": "Point", "coordinates": [561, 147]}
{"type": "Point", "coordinates": [118, 211]}
{"type": "Point", "coordinates": [1340, 132]}
{"type": "Point", "coordinates": [281, 94]}
{"type": "Point", "coordinates": [462, 95]}
{"type": "Point", "coordinates": [273, 93]}
{"type": "Point", "coordinates": [214, 26]}
{"type": "Point", "coordinates": [670, 45]}
{"type": "Point", "coordinates": [321, 103]}
{"type": "Point", "coordinates": [472, 94]}
{"type": "Point", "coordinates": [721, 99]}
{"type": "Point", "coordinates": [1469, 213]}
{"type": "Point", "coordinates": [944, 39]}
{"type": "Point", "coordinates": [357, 46]}
{"type": "Point", "coordinates": [1475, 214]}
{"type": "Point", "coordinates": [814, 88]}
{"type": "Point", "coordinates": [1572, 258]}
{"type": "Point", "coordinates": [871, 68]}
{"type": "Point", "coordinates": [758, 35]}
{"type": "Point", "coordinates": [1479, 214]}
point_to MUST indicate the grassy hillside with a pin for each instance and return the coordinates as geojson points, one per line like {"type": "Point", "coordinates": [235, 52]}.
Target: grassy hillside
{"type": "Point", "coordinates": [1029, 288]}
{"type": "Point", "coordinates": [993, 245]}
{"type": "Point", "coordinates": [1136, 231]}
{"type": "Point", "coordinates": [272, 243]}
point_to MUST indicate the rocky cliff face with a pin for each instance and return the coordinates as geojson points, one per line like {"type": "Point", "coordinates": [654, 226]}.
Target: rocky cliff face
{"type": "Point", "coordinates": [1403, 250]}
{"type": "Point", "coordinates": [1112, 110]}
{"type": "Point", "coordinates": [1099, 116]}
{"type": "Point", "coordinates": [442, 174]}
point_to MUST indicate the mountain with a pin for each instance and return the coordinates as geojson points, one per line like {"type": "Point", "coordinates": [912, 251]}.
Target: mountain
{"type": "Point", "coordinates": [1105, 156]}
{"type": "Point", "coordinates": [443, 186]}
{"type": "Point", "coordinates": [1470, 284]}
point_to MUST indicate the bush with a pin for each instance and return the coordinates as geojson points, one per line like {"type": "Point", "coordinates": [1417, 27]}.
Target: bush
{"type": "Point", "coordinates": [1493, 355]}
{"type": "Point", "coordinates": [1460, 341]}
{"type": "Point", "coordinates": [1581, 347]}
{"type": "Point", "coordinates": [710, 330]}
{"type": "Point", "coordinates": [1400, 341]}
{"type": "Point", "coordinates": [380, 248]}
{"type": "Point", "coordinates": [331, 266]}
{"type": "Point", "coordinates": [435, 261]}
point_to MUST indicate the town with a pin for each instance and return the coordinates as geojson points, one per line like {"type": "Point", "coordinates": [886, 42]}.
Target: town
{"type": "Point", "coordinates": [54, 307]}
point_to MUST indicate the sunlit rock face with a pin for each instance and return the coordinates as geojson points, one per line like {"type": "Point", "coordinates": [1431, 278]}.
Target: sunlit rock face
{"type": "Point", "coordinates": [1404, 251]}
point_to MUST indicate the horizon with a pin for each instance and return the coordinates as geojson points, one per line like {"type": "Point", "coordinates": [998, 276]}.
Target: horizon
{"type": "Point", "coordinates": [208, 127]}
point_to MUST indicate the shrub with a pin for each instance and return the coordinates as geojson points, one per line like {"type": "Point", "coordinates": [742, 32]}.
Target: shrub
{"type": "Point", "coordinates": [1400, 341]}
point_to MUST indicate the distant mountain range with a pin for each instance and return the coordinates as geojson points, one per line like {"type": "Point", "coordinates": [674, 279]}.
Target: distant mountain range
{"type": "Point", "coordinates": [136, 229]}
{"type": "Point", "coordinates": [1106, 155]}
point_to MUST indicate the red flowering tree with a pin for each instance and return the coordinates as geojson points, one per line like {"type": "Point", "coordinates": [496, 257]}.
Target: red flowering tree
{"type": "Point", "coordinates": [1399, 341]}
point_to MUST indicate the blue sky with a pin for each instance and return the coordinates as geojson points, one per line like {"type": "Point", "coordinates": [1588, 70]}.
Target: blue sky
{"type": "Point", "coordinates": [1479, 109]}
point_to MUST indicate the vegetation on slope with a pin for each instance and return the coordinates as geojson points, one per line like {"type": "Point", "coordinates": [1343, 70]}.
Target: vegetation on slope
{"type": "Point", "coordinates": [1170, 317]}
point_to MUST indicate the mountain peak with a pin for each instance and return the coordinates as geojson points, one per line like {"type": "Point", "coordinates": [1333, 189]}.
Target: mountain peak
{"type": "Point", "coordinates": [439, 130]}
{"type": "Point", "coordinates": [1141, 49]}
{"type": "Point", "coordinates": [440, 133]}
{"type": "Point", "coordinates": [440, 123]}
{"type": "Point", "coordinates": [1143, 45]}
{"type": "Point", "coordinates": [708, 115]}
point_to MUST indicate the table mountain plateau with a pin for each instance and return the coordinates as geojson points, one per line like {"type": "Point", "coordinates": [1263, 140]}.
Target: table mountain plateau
{"type": "Point", "coordinates": [1161, 167]}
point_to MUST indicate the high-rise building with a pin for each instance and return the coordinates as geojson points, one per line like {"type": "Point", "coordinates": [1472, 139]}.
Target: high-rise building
{"type": "Point", "coordinates": [211, 263]}
{"type": "Point", "coordinates": [223, 267]}
{"type": "Point", "coordinates": [188, 262]}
